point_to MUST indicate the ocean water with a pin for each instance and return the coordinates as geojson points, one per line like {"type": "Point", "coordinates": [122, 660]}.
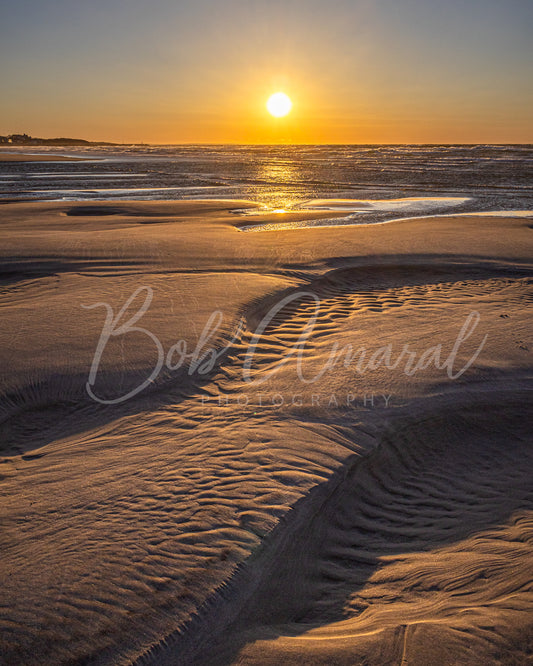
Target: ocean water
{"type": "Point", "coordinates": [370, 183]}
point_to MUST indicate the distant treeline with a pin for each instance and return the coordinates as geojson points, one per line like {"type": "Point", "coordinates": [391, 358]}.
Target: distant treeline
{"type": "Point", "coordinates": [27, 140]}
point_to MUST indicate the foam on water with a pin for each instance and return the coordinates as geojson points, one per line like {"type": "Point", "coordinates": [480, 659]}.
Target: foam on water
{"type": "Point", "coordinates": [362, 205]}
{"type": "Point", "coordinates": [350, 221]}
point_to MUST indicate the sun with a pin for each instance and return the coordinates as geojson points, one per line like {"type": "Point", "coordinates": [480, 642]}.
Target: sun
{"type": "Point", "coordinates": [279, 104]}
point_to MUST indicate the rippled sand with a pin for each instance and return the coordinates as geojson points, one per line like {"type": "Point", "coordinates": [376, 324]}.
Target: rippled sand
{"type": "Point", "coordinates": [247, 514]}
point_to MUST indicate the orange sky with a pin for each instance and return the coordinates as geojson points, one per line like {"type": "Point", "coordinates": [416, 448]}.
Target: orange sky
{"type": "Point", "coordinates": [359, 71]}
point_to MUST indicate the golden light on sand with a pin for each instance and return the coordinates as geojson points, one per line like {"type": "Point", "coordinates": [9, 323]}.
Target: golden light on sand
{"type": "Point", "coordinates": [279, 104]}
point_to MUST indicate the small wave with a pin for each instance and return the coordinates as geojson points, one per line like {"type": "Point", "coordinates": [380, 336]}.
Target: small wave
{"type": "Point", "coordinates": [362, 205]}
{"type": "Point", "coordinates": [350, 221]}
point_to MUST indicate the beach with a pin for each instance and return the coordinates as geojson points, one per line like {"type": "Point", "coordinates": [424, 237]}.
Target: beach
{"type": "Point", "coordinates": [266, 291]}
{"type": "Point", "coordinates": [283, 446]}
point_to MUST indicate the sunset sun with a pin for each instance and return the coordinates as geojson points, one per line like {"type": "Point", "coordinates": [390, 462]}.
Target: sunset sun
{"type": "Point", "coordinates": [279, 104]}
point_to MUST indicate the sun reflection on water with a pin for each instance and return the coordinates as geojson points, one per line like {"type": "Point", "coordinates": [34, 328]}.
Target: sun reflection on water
{"type": "Point", "coordinates": [283, 185]}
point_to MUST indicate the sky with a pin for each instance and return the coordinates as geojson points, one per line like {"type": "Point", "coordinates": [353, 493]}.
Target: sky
{"type": "Point", "coordinates": [200, 71]}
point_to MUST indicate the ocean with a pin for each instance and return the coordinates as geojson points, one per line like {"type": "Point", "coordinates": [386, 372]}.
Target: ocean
{"type": "Point", "coordinates": [372, 183]}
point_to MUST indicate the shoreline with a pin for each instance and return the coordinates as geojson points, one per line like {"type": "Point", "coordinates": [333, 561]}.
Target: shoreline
{"type": "Point", "coordinates": [305, 223]}
{"type": "Point", "coordinates": [293, 219]}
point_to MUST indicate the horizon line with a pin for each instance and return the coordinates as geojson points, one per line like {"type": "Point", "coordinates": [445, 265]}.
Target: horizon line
{"type": "Point", "coordinates": [95, 143]}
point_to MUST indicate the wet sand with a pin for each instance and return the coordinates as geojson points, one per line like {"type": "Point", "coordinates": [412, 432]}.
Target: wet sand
{"type": "Point", "coordinates": [45, 157]}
